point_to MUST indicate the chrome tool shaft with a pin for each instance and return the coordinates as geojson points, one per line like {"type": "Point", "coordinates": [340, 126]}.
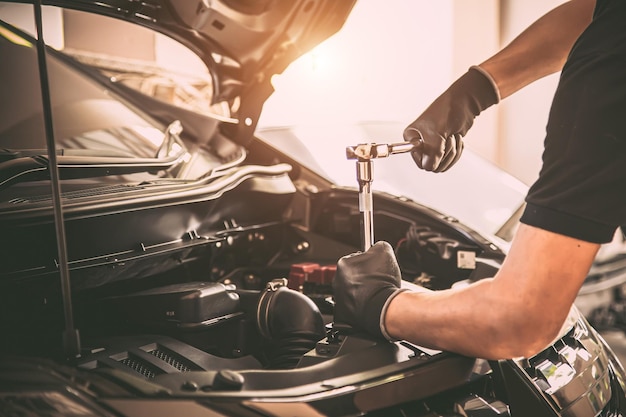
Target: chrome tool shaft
{"type": "Point", "coordinates": [364, 153]}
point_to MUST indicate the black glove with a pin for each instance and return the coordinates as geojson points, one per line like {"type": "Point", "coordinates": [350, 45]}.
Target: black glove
{"type": "Point", "coordinates": [364, 285]}
{"type": "Point", "coordinates": [438, 131]}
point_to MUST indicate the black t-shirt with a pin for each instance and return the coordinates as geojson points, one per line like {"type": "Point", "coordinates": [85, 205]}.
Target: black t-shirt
{"type": "Point", "coordinates": [581, 190]}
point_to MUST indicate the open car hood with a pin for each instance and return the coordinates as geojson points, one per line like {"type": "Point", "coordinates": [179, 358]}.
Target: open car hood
{"type": "Point", "coordinates": [243, 42]}
{"type": "Point", "coordinates": [200, 274]}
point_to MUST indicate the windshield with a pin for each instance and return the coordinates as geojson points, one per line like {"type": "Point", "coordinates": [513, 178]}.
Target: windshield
{"type": "Point", "coordinates": [96, 130]}
{"type": "Point", "coordinates": [474, 191]}
{"type": "Point", "coordinates": [86, 117]}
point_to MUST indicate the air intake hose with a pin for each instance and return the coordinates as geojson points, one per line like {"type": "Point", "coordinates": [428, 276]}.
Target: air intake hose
{"type": "Point", "coordinates": [291, 321]}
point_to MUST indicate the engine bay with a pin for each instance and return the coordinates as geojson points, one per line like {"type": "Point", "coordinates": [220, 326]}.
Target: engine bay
{"type": "Point", "coordinates": [245, 310]}
{"type": "Point", "coordinates": [265, 298]}
{"type": "Point", "coordinates": [254, 296]}
{"type": "Point", "coordinates": [262, 319]}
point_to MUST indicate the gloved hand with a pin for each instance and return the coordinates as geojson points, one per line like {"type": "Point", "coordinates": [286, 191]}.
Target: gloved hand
{"type": "Point", "coordinates": [364, 285]}
{"type": "Point", "coordinates": [440, 129]}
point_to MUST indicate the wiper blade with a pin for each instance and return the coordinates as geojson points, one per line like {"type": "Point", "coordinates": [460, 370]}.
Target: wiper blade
{"type": "Point", "coordinates": [35, 168]}
{"type": "Point", "coordinates": [9, 154]}
{"type": "Point", "coordinates": [32, 164]}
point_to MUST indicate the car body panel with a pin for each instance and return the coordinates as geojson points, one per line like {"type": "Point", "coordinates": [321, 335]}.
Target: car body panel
{"type": "Point", "coordinates": [200, 257]}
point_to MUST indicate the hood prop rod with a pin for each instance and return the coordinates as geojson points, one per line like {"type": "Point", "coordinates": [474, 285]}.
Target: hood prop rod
{"type": "Point", "coordinates": [71, 338]}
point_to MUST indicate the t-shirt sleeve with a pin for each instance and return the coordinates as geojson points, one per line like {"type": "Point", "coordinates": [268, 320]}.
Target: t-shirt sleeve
{"type": "Point", "coordinates": [581, 189]}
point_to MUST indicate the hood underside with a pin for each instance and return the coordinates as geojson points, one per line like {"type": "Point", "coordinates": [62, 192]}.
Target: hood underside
{"type": "Point", "coordinates": [243, 43]}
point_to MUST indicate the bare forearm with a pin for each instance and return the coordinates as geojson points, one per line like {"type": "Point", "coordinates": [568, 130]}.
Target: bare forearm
{"type": "Point", "coordinates": [515, 314]}
{"type": "Point", "coordinates": [541, 49]}
{"type": "Point", "coordinates": [467, 321]}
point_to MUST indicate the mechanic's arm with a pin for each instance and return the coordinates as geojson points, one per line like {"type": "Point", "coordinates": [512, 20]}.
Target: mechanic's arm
{"type": "Point", "coordinates": [540, 50]}
{"type": "Point", "coordinates": [515, 314]}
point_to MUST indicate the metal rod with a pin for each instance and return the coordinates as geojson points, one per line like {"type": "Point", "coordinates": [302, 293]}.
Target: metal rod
{"type": "Point", "coordinates": [71, 337]}
{"type": "Point", "coordinates": [364, 153]}
{"type": "Point", "coordinates": [366, 203]}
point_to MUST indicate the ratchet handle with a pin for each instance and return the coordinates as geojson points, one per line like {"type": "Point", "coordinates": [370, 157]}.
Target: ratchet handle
{"type": "Point", "coordinates": [364, 154]}
{"type": "Point", "coordinates": [367, 151]}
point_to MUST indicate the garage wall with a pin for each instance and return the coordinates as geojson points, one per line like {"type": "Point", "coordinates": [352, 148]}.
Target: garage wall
{"type": "Point", "coordinates": [523, 116]}
{"type": "Point", "coordinates": [21, 15]}
{"type": "Point", "coordinates": [477, 36]}
{"type": "Point", "coordinates": [117, 38]}
{"type": "Point", "coordinates": [390, 62]}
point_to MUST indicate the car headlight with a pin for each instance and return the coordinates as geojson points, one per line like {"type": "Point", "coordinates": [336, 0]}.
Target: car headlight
{"type": "Point", "coordinates": [574, 372]}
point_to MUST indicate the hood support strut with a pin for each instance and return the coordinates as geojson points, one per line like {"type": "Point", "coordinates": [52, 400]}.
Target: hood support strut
{"type": "Point", "coordinates": [71, 338]}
